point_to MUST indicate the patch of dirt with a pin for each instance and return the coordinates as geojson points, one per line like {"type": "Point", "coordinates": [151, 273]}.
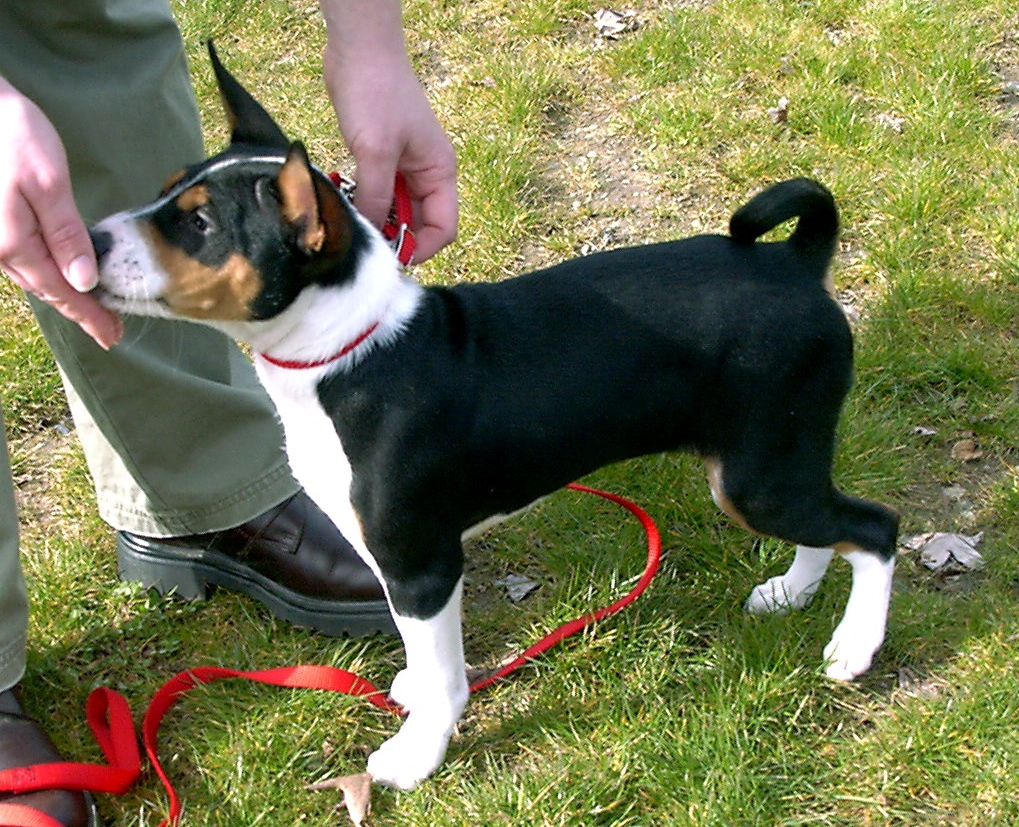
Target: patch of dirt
{"type": "Point", "coordinates": [1005, 56]}
{"type": "Point", "coordinates": [602, 174]}
{"type": "Point", "coordinates": [36, 457]}
{"type": "Point", "coordinates": [951, 501]}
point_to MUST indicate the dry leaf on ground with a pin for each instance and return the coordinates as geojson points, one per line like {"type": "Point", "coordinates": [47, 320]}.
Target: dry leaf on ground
{"type": "Point", "coordinates": [610, 23]}
{"type": "Point", "coordinates": [780, 112]}
{"type": "Point", "coordinates": [967, 450]}
{"type": "Point", "coordinates": [941, 550]}
{"type": "Point", "coordinates": [357, 794]}
{"type": "Point", "coordinates": [517, 586]}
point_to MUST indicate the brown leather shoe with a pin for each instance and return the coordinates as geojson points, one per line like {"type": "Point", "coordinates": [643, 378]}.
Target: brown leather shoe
{"type": "Point", "coordinates": [23, 742]}
{"type": "Point", "coordinates": [292, 559]}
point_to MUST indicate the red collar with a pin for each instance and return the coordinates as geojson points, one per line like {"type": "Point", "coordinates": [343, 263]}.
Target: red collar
{"type": "Point", "coordinates": [294, 364]}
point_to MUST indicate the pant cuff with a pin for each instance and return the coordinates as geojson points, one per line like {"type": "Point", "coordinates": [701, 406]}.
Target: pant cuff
{"type": "Point", "coordinates": [12, 664]}
{"type": "Point", "coordinates": [140, 517]}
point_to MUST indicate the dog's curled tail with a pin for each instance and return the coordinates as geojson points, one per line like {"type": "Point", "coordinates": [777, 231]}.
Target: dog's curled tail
{"type": "Point", "coordinates": [818, 226]}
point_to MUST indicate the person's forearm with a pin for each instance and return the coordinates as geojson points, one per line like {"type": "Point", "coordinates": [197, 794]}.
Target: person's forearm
{"type": "Point", "coordinates": [386, 120]}
{"type": "Point", "coordinates": [364, 26]}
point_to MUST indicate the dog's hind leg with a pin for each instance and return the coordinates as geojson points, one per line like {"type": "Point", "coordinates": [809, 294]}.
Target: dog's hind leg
{"type": "Point", "coordinates": [864, 534]}
{"type": "Point", "coordinates": [862, 629]}
{"type": "Point", "coordinates": [792, 590]}
{"type": "Point", "coordinates": [795, 588]}
{"type": "Point", "coordinates": [795, 501]}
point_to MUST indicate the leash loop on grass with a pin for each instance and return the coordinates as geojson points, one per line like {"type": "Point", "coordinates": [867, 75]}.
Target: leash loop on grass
{"type": "Point", "coordinates": [654, 554]}
{"type": "Point", "coordinates": [109, 717]}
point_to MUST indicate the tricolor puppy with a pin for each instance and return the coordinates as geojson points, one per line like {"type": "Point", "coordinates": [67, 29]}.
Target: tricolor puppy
{"type": "Point", "coordinates": [415, 414]}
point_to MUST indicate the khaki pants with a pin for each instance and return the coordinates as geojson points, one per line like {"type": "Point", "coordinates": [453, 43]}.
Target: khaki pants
{"type": "Point", "coordinates": [178, 434]}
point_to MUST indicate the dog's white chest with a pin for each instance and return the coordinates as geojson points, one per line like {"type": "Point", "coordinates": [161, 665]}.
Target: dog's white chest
{"type": "Point", "coordinates": [315, 452]}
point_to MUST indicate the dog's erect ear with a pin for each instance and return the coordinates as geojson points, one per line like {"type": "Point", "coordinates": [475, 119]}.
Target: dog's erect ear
{"type": "Point", "coordinates": [249, 122]}
{"type": "Point", "coordinates": [300, 201]}
{"type": "Point", "coordinates": [312, 206]}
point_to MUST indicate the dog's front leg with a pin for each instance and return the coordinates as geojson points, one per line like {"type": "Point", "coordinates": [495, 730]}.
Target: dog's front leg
{"type": "Point", "coordinates": [433, 689]}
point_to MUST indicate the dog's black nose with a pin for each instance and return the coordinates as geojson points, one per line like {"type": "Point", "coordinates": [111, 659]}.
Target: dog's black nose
{"type": "Point", "coordinates": [101, 242]}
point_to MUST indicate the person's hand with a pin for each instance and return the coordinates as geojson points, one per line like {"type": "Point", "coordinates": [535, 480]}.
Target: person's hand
{"type": "Point", "coordinates": [387, 123]}
{"type": "Point", "coordinates": [44, 245]}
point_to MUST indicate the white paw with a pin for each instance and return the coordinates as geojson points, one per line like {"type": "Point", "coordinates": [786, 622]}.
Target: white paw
{"type": "Point", "coordinates": [777, 596]}
{"type": "Point", "coordinates": [847, 659]}
{"type": "Point", "coordinates": [409, 757]}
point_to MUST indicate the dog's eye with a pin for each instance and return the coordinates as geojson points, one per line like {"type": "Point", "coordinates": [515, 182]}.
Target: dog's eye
{"type": "Point", "coordinates": [199, 221]}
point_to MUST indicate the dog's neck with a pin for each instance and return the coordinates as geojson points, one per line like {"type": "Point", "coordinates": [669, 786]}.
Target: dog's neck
{"type": "Point", "coordinates": [347, 349]}
{"type": "Point", "coordinates": [335, 327]}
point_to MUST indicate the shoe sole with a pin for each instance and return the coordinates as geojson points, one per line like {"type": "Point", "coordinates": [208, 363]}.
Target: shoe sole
{"type": "Point", "coordinates": [191, 573]}
{"type": "Point", "coordinates": [93, 813]}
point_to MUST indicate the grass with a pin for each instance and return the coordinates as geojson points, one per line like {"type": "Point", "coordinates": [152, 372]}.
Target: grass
{"type": "Point", "coordinates": [683, 711]}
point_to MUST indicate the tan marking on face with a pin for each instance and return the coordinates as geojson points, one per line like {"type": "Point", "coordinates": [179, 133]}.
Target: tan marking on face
{"type": "Point", "coordinates": [713, 465]}
{"type": "Point", "coordinates": [198, 291]}
{"type": "Point", "coordinates": [173, 179]}
{"type": "Point", "coordinates": [192, 198]}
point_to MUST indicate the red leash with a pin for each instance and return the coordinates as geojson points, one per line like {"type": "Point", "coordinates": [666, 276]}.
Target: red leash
{"type": "Point", "coordinates": [654, 554]}
{"type": "Point", "coordinates": [109, 717]}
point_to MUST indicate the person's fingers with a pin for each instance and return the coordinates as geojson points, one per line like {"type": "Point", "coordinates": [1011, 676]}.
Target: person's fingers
{"type": "Point", "coordinates": [37, 274]}
{"type": "Point", "coordinates": [26, 257]}
{"type": "Point", "coordinates": [437, 221]}
{"type": "Point", "coordinates": [67, 240]}
{"type": "Point", "coordinates": [44, 245]}
{"type": "Point", "coordinates": [375, 176]}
